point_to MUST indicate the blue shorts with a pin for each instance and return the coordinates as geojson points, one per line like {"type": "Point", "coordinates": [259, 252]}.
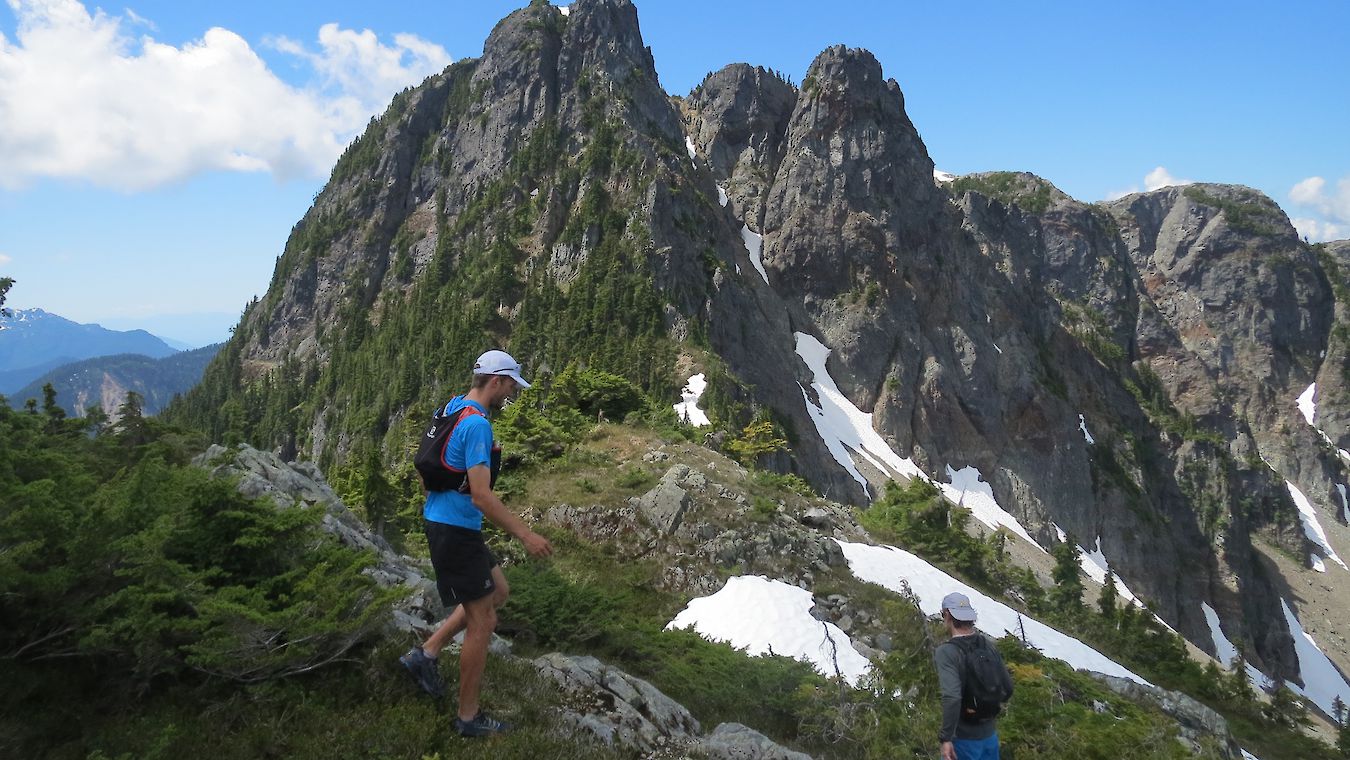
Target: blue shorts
{"type": "Point", "coordinates": [977, 749]}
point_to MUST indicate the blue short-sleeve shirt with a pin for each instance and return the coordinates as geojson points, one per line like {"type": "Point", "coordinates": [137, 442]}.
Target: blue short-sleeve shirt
{"type": "Point", "coordinates": [470, 445]}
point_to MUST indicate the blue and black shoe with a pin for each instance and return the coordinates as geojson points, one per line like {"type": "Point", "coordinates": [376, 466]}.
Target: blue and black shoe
{"type": "Point", "coordinates": [481, 726]}
{"type": "Point", "coordinates": [424, 671]}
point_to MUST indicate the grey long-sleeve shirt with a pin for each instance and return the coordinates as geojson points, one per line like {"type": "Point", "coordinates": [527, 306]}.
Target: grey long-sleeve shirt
{"type": "Point", "coordinates": [947, 658]}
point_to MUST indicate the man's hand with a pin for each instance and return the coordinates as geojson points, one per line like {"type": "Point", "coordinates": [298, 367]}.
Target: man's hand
{"type": "Point", "coordinates": [948, 751]}
{"type": "Point", "coordinates": [538, 546]}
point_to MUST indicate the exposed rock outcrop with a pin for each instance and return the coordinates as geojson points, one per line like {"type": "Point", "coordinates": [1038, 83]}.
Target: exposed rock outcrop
{"type": "Point", "coordinates": [290, 484]}
{"type": "Point", "coordinates": [1199, 724]}
{"type": "Point", "coordinates": [621, 710]}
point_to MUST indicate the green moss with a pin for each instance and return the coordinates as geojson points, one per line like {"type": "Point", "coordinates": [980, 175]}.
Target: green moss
{"type": "Point", "coordinates": [1031, 194]}
{"type": "Point", "coordinates": [1250, 213]}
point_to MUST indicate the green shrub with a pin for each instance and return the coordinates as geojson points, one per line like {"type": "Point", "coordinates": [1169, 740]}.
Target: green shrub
{"type": "Point", "coordinates": [786, 483]}
{"type": "Point", "coordinates": [918, 518]}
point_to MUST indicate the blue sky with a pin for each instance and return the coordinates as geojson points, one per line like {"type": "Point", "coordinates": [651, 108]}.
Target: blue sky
{"type": "Point", "coordinates": [154, 156]}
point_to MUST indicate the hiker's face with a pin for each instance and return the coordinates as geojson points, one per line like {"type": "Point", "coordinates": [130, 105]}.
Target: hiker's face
{"type": "Point", "coordinates": [504, 390]}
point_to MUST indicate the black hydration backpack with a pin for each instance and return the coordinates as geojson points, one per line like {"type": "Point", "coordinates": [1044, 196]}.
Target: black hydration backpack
{"type": "Point", "coordinates": [985, 682]}
{"type": "Point", "coordinates": [430, 459]}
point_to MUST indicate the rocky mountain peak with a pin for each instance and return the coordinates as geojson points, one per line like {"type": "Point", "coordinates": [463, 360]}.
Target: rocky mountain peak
{"type": "Point", "coordinates": [737, 117]}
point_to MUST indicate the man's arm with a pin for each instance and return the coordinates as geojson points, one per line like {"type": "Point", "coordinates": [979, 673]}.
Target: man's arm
{"type": "Point", "coordinates": [948, 661]}
{"type": "Point", "coordinates": [480, 490]}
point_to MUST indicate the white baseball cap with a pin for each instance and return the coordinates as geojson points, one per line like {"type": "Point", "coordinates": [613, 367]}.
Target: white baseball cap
{"type": "Point", "coordinates": [958, 606]}
{"type": "Point", "coordinates": [499, 363]}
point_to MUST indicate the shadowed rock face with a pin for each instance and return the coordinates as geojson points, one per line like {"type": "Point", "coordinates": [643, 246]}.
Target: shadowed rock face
{"type": "Point", "coordinates": [974, 321]}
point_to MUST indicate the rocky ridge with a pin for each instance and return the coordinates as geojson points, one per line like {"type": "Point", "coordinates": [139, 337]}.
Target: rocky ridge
{"type": "Point", "coordinates": [717, 531]}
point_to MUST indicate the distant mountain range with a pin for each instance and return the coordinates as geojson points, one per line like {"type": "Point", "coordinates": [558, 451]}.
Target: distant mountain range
{"type": "Point", "coordinates": [105, 380]}
{"type": "Point", "coordinates": [34, 342]}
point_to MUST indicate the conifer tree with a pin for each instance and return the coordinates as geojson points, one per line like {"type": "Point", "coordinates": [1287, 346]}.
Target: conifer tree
{"type": "Point", "coordinates": [5, 284]}
{"type": "Point", "coordinates": [1285, 708]}
{"type": "Point", "coordinates": [1343, 740]}
{"type": "Point", "coordinates": [96, 420]}
{"type": "Point", "coordinates": [1067, 596]}
{"type": "Point", "coordinates": [131, 429]}
{"type": "Point", "coordinates": [1107, 601]}
{"type": "Point", "coordinates": [1338, 710]}
{"type": "Point", "coordinates": [55, 414]}
{"type": "Point", "coordinates": [1239, 681]}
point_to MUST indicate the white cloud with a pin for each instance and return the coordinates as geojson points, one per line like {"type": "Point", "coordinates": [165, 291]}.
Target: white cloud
{"type": "Point", "coordinates": [355, 65]}
{"type": "Point", "coordinates": [4, 259]}
{"type": "Point", "coordinates": [1160, 178]}
{"type": "Point", "coordinates": [81, 99]}
{"type": "Point", "coordinates": [1157, 179]}
{"type": "Point", "coordinates": [1327, 214]}
{"type": "Point", "coordinates": [1318, 231]}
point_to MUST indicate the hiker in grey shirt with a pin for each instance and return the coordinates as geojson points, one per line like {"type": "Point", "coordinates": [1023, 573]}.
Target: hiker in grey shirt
{"type": "Point", "coordinates": [974, 683]}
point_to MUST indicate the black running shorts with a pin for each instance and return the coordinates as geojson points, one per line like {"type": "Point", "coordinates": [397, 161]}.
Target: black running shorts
{"type": "Point", "coordinates": [462, 561]}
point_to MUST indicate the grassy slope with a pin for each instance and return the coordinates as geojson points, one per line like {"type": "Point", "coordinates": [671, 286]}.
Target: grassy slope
{"type": "Point", "coordinates": [600, 599]}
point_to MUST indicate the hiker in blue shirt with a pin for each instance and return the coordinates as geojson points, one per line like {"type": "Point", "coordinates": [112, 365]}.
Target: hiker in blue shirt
{"type": "Point", "coordinates": [459, 467]}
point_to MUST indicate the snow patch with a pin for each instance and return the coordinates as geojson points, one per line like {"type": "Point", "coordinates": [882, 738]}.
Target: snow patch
{"type": "Point", "coordinates": [846, 429]}
{"type": "Point", "coordinates": [565, 9]}
{"type": "Point", "coordinates": [1223, 648]}
{"type": "Point", "coordinates": [996, 348]}
{"type": "Point", "coordinates": [1060, 532]}
{"type": "Point", "coordinates": [1306, 405]}
{"type": "Point", "coordinates": [1082, 425]}
{"type": "Point", "coordinates": [688, 408]}
{"type": "Point", "coordinates": [721, 196]}
{"type": "Point", "coordinates": [1308, 408]}
{"type": "Point", "coordinates": [1317, 563]}
{"type": "Point", "coordinates": [689, 146]}
{"type": "Point", "coordinates": [1345, 505]}
{"type": "Point", "coordinates": [1312, 528]}
{"type": "Point", "coordinates": [1322, 682]}
{"type": "Point", "coordinates": [941, 176]}
{"type": "Point", "coordinates": [898, 570]}
{"type": "Point", "coordinates": [1096, 567]}
{"type": "Point", "coordinates": [754, 245]}
{"type": "Point", "coordinates": [763, 616]}
{"type": "Point", "coordinates": [968, 489]}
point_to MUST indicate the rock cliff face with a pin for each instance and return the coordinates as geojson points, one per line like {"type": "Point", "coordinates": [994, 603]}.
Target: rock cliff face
{"type": "Point", "coordinates": [989, 323]}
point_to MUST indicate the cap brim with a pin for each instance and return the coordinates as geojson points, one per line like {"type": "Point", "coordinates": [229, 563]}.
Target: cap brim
{"type": "Point", "coordinates": [964, 614]}
{"type": "Point", "coordinates": [519, 380]}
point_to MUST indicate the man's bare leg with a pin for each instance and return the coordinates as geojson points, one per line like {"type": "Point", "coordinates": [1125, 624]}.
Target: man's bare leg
{"type": "Point", "coordinates": [480, 619]}
{"type": "Point", "coordinates": [455, 623]}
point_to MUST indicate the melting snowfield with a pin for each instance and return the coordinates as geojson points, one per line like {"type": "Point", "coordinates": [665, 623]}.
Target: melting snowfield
{"type": "Point", "coordinates": [968, 489]}
{"type": "Point", "coordinates": [843, 427]}
{"type": "Point", "coordinates": [1322, 682]}
{"type": "Point", "coordinates": [689, 146]}
{"type": "Point", "coordinates": [1312, 528]}
{"type": "Point", "coordinates": [1082, 425]}
{"type": "Point", "coordinates": [763, 616]}
{"type": "Point", "coordinates": [1095, 566]}
{"type": "Point", "coordinates": [1226, 651]}
{"type": "Point", "coordinates": [847, 431]}
{"type": "Point", "coordinates": [688, 408]}
{"type": "Point", "coordinates": [754, 245]}
{"type": "Point", "coordinates": [1223, 648]}
{"type": "Point", "coordinates": [1308, 407]}
{"type": "Point", "coordinates": [896, 569]}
